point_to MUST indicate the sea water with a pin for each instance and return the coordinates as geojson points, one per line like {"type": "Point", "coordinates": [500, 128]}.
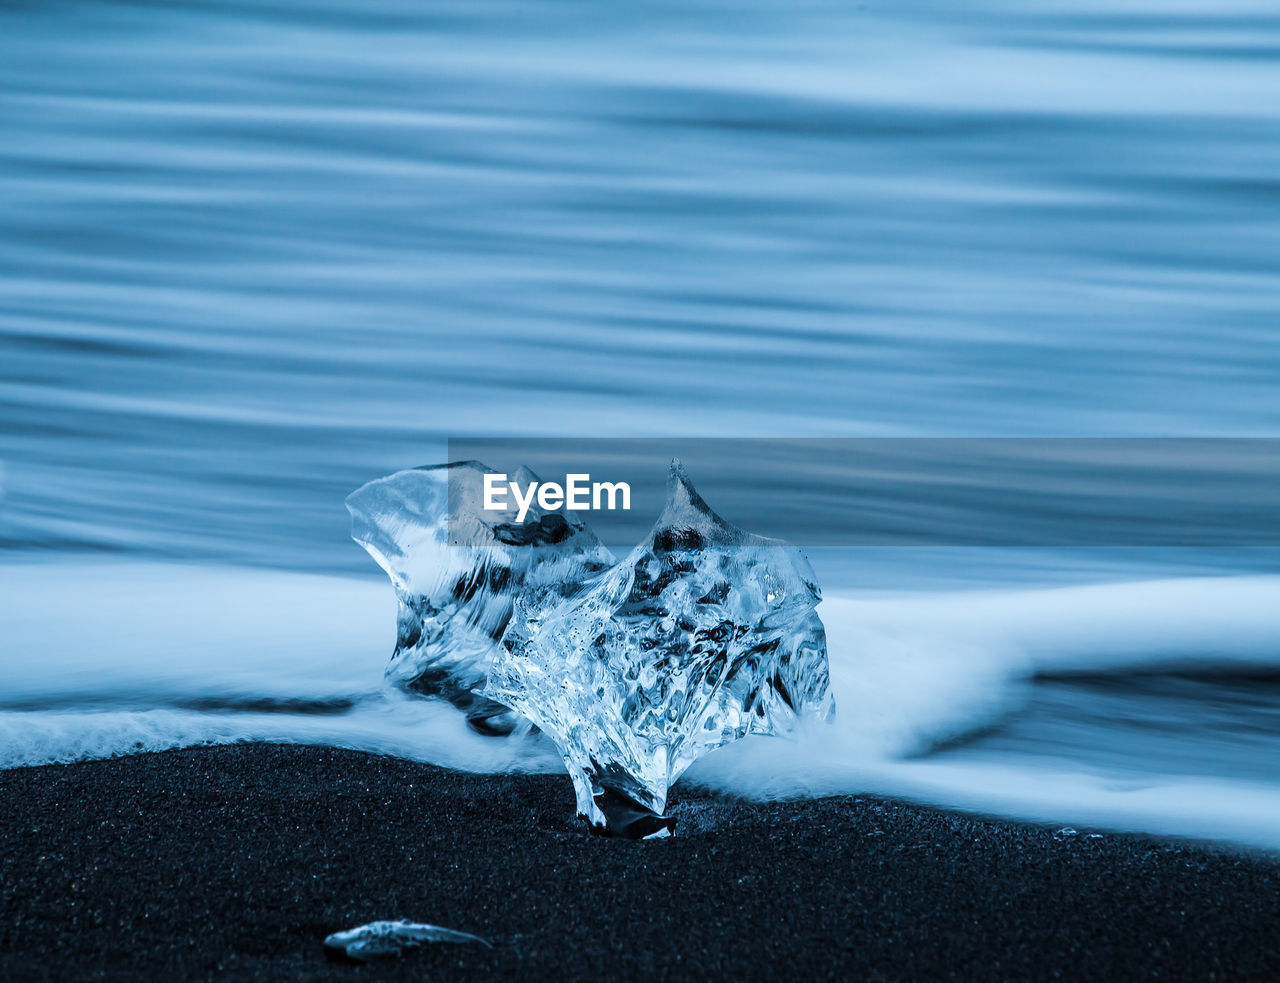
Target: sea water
{"type": "Point", "coordinates": [253, 255]}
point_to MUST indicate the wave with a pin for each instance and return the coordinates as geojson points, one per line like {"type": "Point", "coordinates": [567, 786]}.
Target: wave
{"type": "Point", "coordinates": [107, 658]}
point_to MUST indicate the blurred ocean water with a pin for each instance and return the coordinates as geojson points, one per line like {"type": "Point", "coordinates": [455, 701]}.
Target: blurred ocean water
{"type": "Point", "coordinates": [252, 255]}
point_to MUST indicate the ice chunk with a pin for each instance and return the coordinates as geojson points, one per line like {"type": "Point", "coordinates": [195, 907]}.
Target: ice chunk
{"type": "Point", "coordinates": [457, 569]}
{"type": "Point", "coordinates": [378, 940]}
{"type": "Point", "coordinates": [703, 634]}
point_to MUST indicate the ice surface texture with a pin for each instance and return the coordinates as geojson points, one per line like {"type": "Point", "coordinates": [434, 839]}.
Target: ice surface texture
{"type": "Point", "coordinates": [457, 570]}
{"type": "Point", "coordinates": [702, 635]}
{"type": "Point", "coordinates": [380, 940]}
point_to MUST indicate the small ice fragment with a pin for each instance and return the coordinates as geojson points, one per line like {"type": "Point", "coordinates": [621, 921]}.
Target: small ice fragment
{"type": "Point", "coordinates": [457, 569]}
{"type": "Point", "coordinates": [703, 634]}
{"type": "Point", "coordinates": [380, 940]}
{"type": "Point", "coordinates": [1065, 832]}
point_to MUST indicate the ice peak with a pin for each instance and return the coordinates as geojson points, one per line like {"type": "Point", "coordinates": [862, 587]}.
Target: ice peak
{"type": "Point", "coordinates": [687, 522]}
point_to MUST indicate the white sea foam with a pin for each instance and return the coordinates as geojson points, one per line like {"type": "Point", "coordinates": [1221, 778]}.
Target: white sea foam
{"type": "Point", "coordinates": [908, 672]}
{"type": "Point", "coordinates": [108, 658]}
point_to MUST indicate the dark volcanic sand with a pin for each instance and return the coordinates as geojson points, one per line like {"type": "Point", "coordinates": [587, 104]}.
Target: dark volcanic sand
{"type": "Point", "coordinates": [234, 863]}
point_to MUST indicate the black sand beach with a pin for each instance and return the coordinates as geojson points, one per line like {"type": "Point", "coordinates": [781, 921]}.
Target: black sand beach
{"type": "Point", "coordinates": [233, 863]}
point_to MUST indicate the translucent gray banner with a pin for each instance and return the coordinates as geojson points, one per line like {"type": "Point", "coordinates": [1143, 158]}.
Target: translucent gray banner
{"type": "Point", "coordinates": [928, 491]}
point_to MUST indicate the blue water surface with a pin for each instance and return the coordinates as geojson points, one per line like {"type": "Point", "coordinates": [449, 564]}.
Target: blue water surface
{"type": "Point", "coordinates": [253, 254]}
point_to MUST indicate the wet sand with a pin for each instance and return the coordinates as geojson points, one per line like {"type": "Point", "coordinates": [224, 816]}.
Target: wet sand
{"type": "Point", "coordinates": [234, 863]}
